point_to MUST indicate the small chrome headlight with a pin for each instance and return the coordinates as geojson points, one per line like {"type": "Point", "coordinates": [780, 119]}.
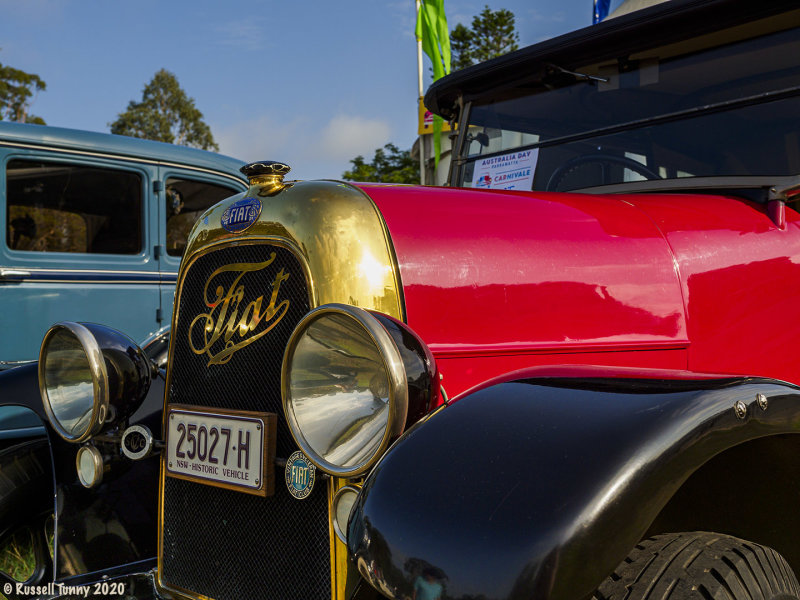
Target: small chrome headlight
{"type": "Point", "coordinates": [89, 377]}
{"type": "Point", "coordinates": [343, 503]}
{"type": "Point", "coordinates": [89, 463]}
{"type": "Point", "coordinates": [345, 392]}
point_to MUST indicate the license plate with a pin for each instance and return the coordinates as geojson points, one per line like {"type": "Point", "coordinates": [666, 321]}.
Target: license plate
{"type": "Point", "coordinates": [229, 449]}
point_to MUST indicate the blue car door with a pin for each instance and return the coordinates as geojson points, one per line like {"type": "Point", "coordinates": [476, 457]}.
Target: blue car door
{"type": "Point", "coordinates": [78, 245]}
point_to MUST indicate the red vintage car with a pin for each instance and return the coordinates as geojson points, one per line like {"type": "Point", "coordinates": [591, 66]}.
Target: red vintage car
{"type": "Point", "coordinates": [570, 374]}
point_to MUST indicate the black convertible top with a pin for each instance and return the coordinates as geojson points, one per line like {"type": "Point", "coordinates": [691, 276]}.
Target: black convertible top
{"type": "Point", "coordinates": [664, 23]}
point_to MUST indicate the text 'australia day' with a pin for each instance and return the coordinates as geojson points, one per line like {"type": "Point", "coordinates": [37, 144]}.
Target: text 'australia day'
{"type": "Point", "coordinates": [507, 160]}
{"type": "Point", "coordinates": [508, 172]}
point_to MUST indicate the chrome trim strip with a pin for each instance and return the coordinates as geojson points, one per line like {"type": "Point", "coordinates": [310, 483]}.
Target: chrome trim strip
{"type": "Point", "coordinates": [6, 273]}
{"type": "Point", "coordinates": [10, 364]}
{"type": "Point", "coordinates": [124, 157]}
{"type": "Point", "coordinates": [85, 276]}
{"type": "Point", "coordinates": [549, 347]}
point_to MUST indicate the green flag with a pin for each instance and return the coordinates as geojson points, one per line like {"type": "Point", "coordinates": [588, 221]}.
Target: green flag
{"type": "Point", "coordinates": [432, 31]}
{"type": "Point", "coordinates": [435, 37]}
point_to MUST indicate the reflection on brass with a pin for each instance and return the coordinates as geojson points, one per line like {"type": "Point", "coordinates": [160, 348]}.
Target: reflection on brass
{"type": "Point", "coordinates": [271, 188]}
{"type": "Point", "coordinates": [343, 245]}
{"type": "Point", "coordinates": [217, 322]}
{"type": "Point", "coordinates": [332, 226]}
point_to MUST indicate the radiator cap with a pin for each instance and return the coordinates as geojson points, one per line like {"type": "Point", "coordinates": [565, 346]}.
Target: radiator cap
{"type": "Point", "coordinates": [268, 168]}
{"type": "Point", "coordinates": [267, 175]}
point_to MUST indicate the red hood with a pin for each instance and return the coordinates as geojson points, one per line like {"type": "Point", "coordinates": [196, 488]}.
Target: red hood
{"type": "Point", "coordinates": [495, 273]}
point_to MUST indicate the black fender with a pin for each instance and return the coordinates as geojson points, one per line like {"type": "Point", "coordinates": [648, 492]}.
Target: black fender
{"type": "Point", "coordinates": [538, 488]}
{"type": "Point", "coordinates": [20, 386]}
{"type": "Point", "coordinates": [26, 474]}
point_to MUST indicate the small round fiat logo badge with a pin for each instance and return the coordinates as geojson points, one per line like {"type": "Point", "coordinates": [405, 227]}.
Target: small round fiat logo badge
{"type": "Point", "coordinates": [241, 214]}
{"type": "Point", "coordinates": [300, 475]}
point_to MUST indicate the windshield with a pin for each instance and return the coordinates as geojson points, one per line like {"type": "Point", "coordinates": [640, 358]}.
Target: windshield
{"type": "Point", "coordinates": [728, 111]}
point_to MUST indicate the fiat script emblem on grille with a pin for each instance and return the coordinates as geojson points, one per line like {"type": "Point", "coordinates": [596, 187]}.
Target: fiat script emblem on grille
{"type": "Point", "coordinates": [232, 322]}
{"type": "Point", "coordinates": [300, 475]}
{"type": "Point", "coordinates": [241, 214]}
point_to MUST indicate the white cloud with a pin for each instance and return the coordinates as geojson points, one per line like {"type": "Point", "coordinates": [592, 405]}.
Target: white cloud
{"type": "Point", "coordinates": [404, 17]}
{"type": "Point", "coordinates": [261, 138]}
{"type": "Point", "coordinates": [346, 136]}
{"type": "Point", "coordinates": [313, 151]}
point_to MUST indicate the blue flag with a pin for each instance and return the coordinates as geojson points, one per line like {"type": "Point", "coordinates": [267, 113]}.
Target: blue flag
{"type": "Point", "coordinates": [600, 10]}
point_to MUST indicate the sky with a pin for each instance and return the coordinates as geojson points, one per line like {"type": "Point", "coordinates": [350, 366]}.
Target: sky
{"type": "Point", "coordinates": [312, 83]}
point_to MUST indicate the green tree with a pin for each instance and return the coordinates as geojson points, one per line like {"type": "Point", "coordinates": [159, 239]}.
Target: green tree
{"type": "Point", "coordinates": [492, 34]}
{"type": "Point", "coordinates": [165, 114]}
{"type": "Point", "coordinates": [17, 89]}
{"type": "Point", "coordinates": [390, 165]}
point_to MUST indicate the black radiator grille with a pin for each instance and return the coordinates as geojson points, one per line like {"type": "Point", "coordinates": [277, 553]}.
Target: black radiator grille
{"type": "Point", "coordinates": [225, 544]}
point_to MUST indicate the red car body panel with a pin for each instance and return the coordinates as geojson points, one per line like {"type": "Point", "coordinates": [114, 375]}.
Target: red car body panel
{"type": "Point", "coordinates": [740, 276]}
{"type": "Point", "coordinates": [685, 282]}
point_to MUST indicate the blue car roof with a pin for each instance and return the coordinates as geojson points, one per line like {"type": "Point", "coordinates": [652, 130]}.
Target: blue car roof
{"type": "Point", "coordinates": [106, 143]}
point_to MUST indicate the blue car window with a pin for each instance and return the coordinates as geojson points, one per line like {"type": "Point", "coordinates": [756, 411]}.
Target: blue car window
{"type": "Point", "coordinates": [62, 207]}
{"type": "Point", "coordinates": [186, 201]}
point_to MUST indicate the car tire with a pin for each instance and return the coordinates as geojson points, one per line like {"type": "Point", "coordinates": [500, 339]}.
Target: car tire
{"type": "Point", "coordinates": [700, 566]}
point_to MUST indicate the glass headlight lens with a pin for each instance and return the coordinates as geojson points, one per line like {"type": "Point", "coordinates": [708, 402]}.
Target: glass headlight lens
{"type": "Point", "coordinates": [72, 381]}
{"type": "Point", "coordinates": [344, 388]}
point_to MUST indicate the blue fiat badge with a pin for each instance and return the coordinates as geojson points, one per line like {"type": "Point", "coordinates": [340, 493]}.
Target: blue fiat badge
{"type": "Point", "coordinates": [299, 475]}
{"type": "Point", "coordinates": [241, 214]}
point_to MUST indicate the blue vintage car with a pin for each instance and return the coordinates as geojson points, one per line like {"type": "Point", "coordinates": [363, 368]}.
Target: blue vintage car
{"type": "Point", "coordinates": [95, 226]}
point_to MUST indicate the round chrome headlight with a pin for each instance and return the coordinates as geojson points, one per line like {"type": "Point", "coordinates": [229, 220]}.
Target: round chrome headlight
{"type": "Point", "coordinates": [73, 381]}
{"type": "Point", "coordinates": [90, 377]}
{"type": "Point", "coordinates": [345, 392]}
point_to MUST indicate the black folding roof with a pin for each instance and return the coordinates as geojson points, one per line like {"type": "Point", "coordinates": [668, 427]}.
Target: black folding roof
{"type": "Point", "coordinates": [658, 25]}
